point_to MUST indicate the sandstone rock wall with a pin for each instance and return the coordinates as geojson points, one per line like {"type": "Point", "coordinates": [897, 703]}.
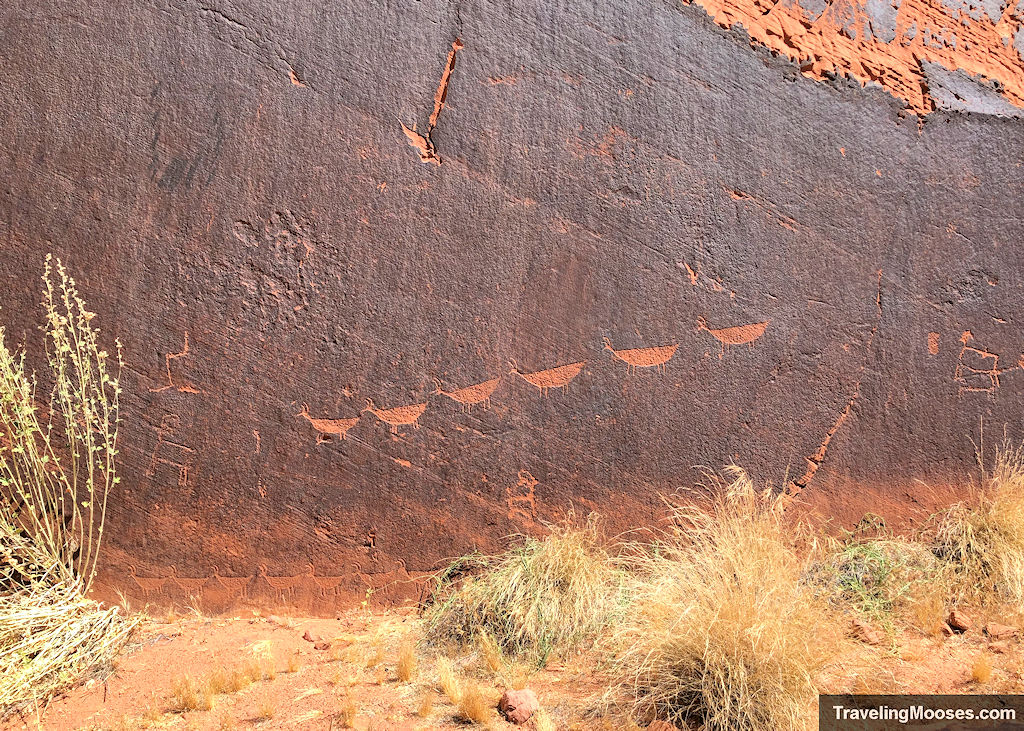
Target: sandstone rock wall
{"type": "Point", "coordinates": [399, 279]}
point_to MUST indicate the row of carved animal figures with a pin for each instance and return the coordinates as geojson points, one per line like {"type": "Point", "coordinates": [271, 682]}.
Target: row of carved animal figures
{"type": "Point", "coordinates": [261, 584]}
{"type": "Point", "coordinates": [544, 380]}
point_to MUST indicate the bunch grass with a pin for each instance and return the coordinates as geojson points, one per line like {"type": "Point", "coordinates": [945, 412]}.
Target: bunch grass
{"type": "Point", "coordinates": [981, 539]}
{"type": "Point", "coordinates": [542, 594]}
{"type": "Point", "coordinates": [725, 632]}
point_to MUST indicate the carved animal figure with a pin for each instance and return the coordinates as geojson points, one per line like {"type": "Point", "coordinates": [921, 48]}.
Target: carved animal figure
{"type": "Point", "coordinates": [148, 586]}
{"type": "Point", "coordinates": [328, 427]}
{"type": "Point", "coordinates": [469, 396]}
{"type": "Point", "coordinates": [557, 377]}
{"type": "Point", "coordinates": [655, 357]}
{"type": "Point", "coordinates": [736, 335]}
{"type": "Point", "coordinates": [398, 416]}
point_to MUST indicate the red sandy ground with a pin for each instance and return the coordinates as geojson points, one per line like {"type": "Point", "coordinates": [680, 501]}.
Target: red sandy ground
{"type": "Point", "coordinates": [313, 693]}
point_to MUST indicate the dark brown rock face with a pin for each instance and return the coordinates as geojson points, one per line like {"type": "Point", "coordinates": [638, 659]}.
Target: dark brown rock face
{"type": "Point", "coordinates": [396, 280]}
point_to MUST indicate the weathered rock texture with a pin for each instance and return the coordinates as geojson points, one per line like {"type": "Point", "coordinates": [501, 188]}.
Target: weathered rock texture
{"type": "Point", "coordinates": [398, 279]}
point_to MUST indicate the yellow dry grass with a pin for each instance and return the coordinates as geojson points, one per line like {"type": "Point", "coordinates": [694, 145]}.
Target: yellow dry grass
{"type": "Point", "coordinates": [542, 721]}
{"type": "Point", "coordinates": [266, 711]}
{"type": "Point", "coordinates": [981, 669]}
{"type": "Point", "coordinates": [724, 630]}
{"type": "Point", "coordinates": [188, 694]}
{"type": "Point", "coordinates": [405, 669]}
{"type": "Point", "coordinates": [982, 539]}
{"type": "Point", "coordinates": [448, 681]}
{"type": "Point", "coordinates": [490, 652]}
{"type": "Point", "coordinates": [557, 591]}
{"type": "Point", "coordinates": [426, 705]}
{"type": "Point", "coordinates": [473, 705]}
{"type": "Point", "coordinates": [346, 717]}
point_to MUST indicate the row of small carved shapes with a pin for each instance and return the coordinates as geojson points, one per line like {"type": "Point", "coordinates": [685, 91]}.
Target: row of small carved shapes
{"type": "Point", "coordinates": [259, 585]}
{"type": "Point", "coordinates": [558, 377]}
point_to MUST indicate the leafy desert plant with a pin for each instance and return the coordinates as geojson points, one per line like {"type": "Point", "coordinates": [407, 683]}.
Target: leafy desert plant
{"type": "Point", "coordinates": [876, 577]}
{"type": "Point", "coordinates": [982, 539]}
{"type": "Point", "coordinates": [57, 467]}
{"type": "Point", "coordinates": [724, 630]}
{"type": "Point", "coordinates": [541, 594]}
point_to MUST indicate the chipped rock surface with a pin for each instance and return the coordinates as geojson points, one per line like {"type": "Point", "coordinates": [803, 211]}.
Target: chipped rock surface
{"type": "Point", "coordinates": [395, 282]}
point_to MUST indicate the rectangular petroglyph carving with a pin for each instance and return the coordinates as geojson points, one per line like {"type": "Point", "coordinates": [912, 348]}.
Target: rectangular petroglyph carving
{"type": "Point", "coordinates": [169, 452]}
{"type": "Point", "coordinates": [977, 368]}
{"type": "Point", "coordinates": [184, 388]}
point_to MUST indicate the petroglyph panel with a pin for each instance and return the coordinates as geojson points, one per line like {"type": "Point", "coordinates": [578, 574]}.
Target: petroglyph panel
{"type": "Point", "coordinates": [646, 237]}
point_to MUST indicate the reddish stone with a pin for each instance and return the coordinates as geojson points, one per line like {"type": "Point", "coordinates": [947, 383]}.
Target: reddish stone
{"type": "Point", "coordinates": [958, 621]}
{"type": "Point", "coordinates": [517, 706]}
{"type": "Point", "coordinates": [998, 631]}
{"type": "Point", "coordinates": [256, 283]}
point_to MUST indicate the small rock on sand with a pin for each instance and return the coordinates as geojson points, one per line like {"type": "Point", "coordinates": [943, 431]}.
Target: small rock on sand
{"type": "Point", "coordinates": [959, 621]}
{"type": "Point", "coordinates": [997, 631]}
{"type": "Point", "coordinates": [518, 706]}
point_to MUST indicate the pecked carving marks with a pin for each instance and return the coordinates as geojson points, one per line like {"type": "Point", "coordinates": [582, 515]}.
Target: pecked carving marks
{"type": "Point", "coordinates": [557, 377]}
{"type": "Point", "coordinates": [219, 592]}
{"type": "Point", "coordinates": [469, 396]}
{"type": "Point", "coordinates": [275, 281]}
{"type": "Point", "coordinates": [326, 428]}
{"type": "Point", "coordinates": [423, 143]}
{"type": "Point", "coordinates": [655, 357]}
{"type": "Point", "coordinates": [735, 335]}
{"type": "Point", "coordinates": [170, 451]}
{"type": "Point", "coordinates": [398, 416]}
{"type": "Point", "coordinates": [977, 368]}
{"type": "Point", "coordinates": [522, 498]}
{"type": "Point", "coordinates": [170, 378]}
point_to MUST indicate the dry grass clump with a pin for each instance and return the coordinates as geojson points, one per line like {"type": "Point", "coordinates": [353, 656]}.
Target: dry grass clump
{"type": "Point", "coordinates": [346, 717]}
{"type": "Point", "coordinates": [406, 666]}
{"type": "Point", "coordinates": [222, 681]}
{"type": "Point", "coordinates": [473, 705]}
{"type": "Point", "coordinates": [981, 669]}
{"type": "Point", "coordinates": [448, 681]}
{"type": "Point", "coordinates": [724, 630]}
{"type": "Point", "coordinates": [542, 721]}
{"type": "Point", "coordinates": [57, 467]}
{"type": "Point", "coordinates": [541, 594]}
{"type": "Point", "coordinates": [189, 695]}
{"type": "Point", "coordinates": [376, 657]}
{"type": "Point", "coordinates": [266, 711]}
{"type": "Point", "coordinates": [982, 540]}
{"type": "Point", "coordinates": [426, 706]}
{"type": "Point", "coordinates": [490, 652]}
